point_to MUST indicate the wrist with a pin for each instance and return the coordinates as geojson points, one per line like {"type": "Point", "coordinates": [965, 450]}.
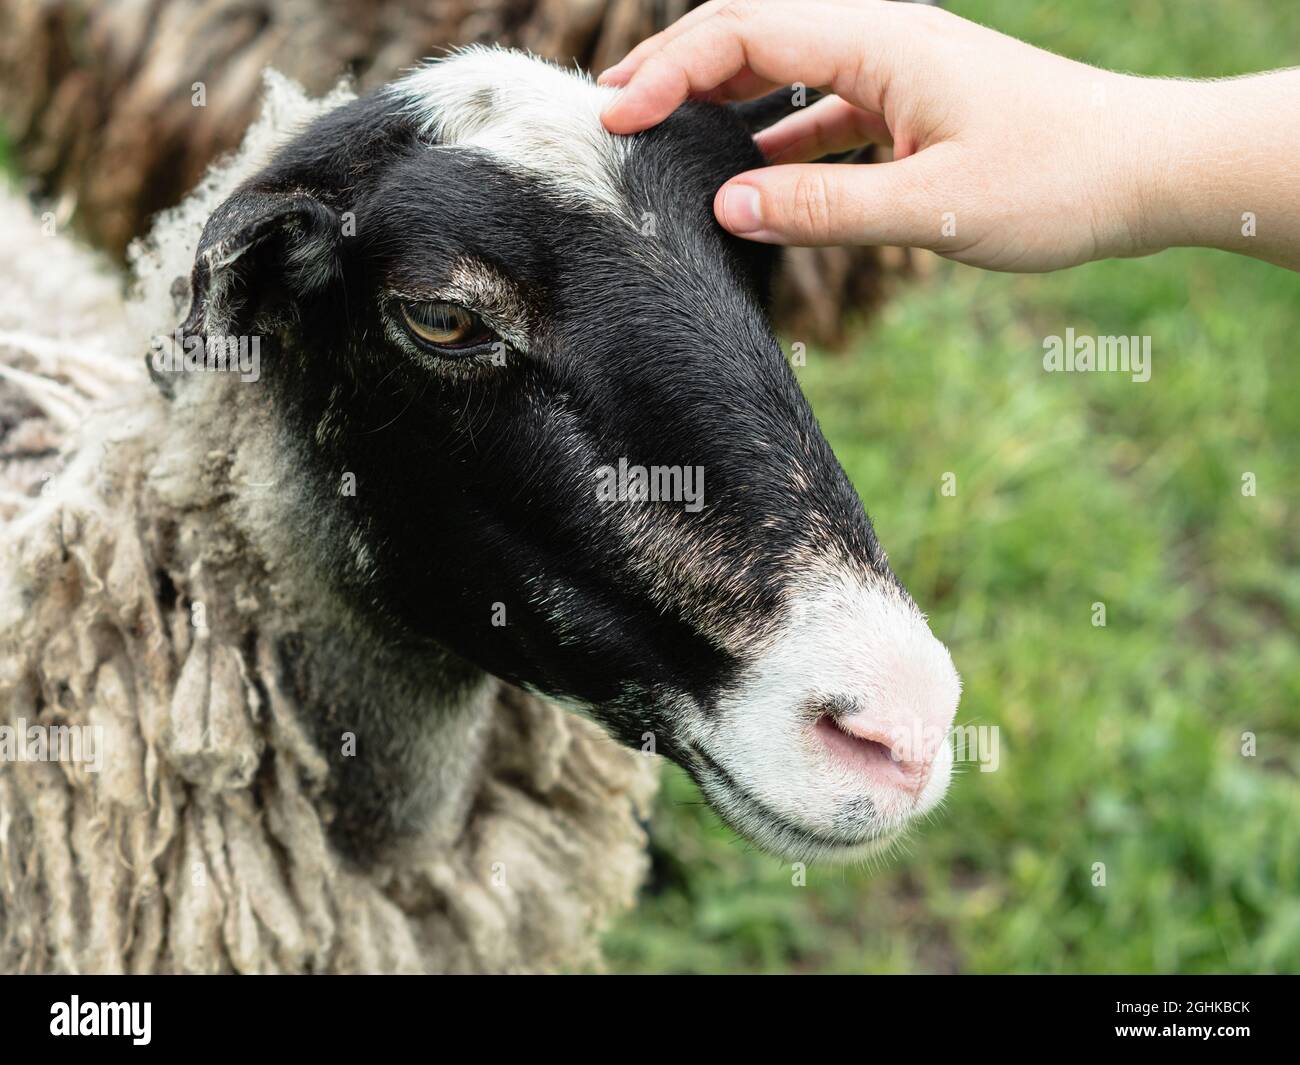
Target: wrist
{"type": "Point", "coordinates": [1145, 134]}
{"type": "Point", "coordinates": [1207, 164]}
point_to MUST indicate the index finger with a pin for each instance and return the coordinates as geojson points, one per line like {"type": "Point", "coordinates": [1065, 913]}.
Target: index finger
{"type": "Point", "coordinates": [775, 42]}
{"type": "Point", "coordinates": [623, 69]}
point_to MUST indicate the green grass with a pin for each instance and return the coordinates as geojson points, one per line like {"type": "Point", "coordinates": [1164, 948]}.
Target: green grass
{"type": "Point", "coordinates": [1122, 744]}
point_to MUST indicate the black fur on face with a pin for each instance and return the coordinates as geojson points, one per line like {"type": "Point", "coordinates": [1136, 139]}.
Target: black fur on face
{"type": "Point", "coordinates": [633, 332]}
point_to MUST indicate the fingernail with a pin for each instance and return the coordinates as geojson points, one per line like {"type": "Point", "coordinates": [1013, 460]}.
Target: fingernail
{"type": "Point", "coordinates": [612, 76]}
{"type": "Point", "coordinates": [742, 209]}
{"type": "Point", "coordinates": [604, 114]}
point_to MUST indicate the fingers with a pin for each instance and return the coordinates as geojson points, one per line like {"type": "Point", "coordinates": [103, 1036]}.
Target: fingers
{"type": "Point", "coordinates": [770, 42]}
{"type": "Point", "coordinates": [619, 73]}
{"type": "Point", "coordinates": [807, 205]}
{"type": "Point", "coordinates": [830, 125]}
{"type": "Point", "coordinates": [622, 71]}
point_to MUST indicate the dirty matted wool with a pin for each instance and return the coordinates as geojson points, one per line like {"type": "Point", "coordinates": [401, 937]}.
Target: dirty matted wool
{"type": "Point", "coordinates": [189, 833]}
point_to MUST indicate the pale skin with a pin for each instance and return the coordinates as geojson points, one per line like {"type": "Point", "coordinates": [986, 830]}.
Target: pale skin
{"type": "Point", "coordinates": [1004, 156]}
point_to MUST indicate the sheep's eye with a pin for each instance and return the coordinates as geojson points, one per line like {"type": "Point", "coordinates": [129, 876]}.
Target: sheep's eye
{"type": "Point", "coordinates": [445, 325]}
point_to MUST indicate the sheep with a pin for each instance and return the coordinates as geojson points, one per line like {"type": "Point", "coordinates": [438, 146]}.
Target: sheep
{"type": "Point", "coordinates": [201, 845]}
{"type": "Point", "coordinates": [321, 578]}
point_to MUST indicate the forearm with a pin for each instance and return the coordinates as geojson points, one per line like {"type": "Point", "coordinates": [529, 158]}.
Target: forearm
{"type": "Point", "coordinates": [1217, 164]}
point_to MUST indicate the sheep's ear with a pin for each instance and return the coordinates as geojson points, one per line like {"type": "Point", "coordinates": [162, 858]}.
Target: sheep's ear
{"type": "Point", "coordinates": [768, 110]}
{"type": "Point", "coordinates": [255, 245]}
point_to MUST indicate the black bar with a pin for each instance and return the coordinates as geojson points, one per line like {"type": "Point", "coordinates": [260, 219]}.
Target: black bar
{"type": "Point", "coordinates": [342, 1015]}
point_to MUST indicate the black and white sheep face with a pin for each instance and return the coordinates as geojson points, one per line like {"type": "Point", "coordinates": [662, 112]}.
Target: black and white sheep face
{"type": "Point", "coordinates": [580, 459]}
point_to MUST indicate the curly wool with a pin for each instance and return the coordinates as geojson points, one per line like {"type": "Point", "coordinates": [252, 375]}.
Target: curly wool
{"type": "Point", "coordinates": [201, 844]}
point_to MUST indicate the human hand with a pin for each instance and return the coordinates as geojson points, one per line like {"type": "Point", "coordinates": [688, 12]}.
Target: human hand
{"type": "Point", "coordinates": [1004, 156]}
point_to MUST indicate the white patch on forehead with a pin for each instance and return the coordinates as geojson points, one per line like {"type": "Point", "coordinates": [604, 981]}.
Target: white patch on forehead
{"type": "Point", "coordinates": [525, 112]}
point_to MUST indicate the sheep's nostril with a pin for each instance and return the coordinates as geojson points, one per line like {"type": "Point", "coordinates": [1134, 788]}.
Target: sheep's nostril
{"type": "Point", "coordinates": [870, 753]}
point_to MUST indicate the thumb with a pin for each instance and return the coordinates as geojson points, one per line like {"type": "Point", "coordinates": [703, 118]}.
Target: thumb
{"type": "Point", "coordinates": [837, 203]}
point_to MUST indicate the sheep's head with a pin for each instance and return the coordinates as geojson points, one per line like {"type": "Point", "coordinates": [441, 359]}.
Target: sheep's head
{"type": "Point", "coordinates": [579, 458]}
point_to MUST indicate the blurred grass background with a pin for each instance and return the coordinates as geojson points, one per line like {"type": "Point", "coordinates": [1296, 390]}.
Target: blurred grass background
{"type": "Point", "coordinates": [1119, 744]}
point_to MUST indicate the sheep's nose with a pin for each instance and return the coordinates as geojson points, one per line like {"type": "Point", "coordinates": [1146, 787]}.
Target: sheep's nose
{"type": "Point", "coordinates": [894, 734]}
{"type": "Point", "coordinates": [888, 759]}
